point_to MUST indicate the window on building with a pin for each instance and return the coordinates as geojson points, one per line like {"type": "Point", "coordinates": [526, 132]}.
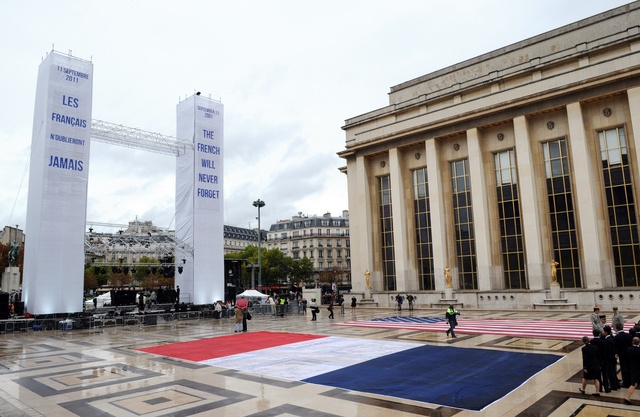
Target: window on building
{"type": "Point", "coordinates": [296, 234]}
{"type": "Point", "coordinates": [296, 225]}
{"type": "Point", "coordinates": [623, 221]}
{"type": "Point", "coordinates": [422, 216]}
{"type": "Point", "coordinates": [562, 218]}
{"type": "Point", "coordinates": [335, 223]}
{"type": "Point", "coordinates": [283, 235]}
{"type": "Point", "coordinates": [328, 232]}
{"type": "Point", "coordinates": [463, 223]}
{"type": "Point", "coordinates": [386, 231]}
{"type": "Point", "coordinates": [294, 245]}
{"type": "Point", "coordinates": [328, 243]}
{"type": "Point", "coordinates": [307, 223]}
{"type": "Point", "coordinates": [513, 263]}
{"type": "Point", "coordinates": [319, 232]}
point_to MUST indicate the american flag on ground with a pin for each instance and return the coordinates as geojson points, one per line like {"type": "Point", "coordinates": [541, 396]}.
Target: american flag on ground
{"type": "Point", "coordinates": [546, 329]}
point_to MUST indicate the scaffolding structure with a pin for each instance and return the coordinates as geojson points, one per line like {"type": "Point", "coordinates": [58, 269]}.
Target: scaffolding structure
{"type": "Point", "coordinates": [126, 246]}
{"type": "Point", "coordinates": [131, 137]}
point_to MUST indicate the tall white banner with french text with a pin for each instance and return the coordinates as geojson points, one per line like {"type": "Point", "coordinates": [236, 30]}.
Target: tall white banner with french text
{"type": "Point", "coordinates": [58, 177]}
{"type": "Point", "coordinates": [199, 254]}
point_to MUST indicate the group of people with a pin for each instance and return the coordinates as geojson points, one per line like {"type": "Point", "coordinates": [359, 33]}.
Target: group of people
{"type": "Point", "coordinates": [610, 347]}
{"type": "Point", "coordinates": [399, 301]}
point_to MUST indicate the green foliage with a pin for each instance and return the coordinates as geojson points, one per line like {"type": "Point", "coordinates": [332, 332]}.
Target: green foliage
{"type": "Point", "coordinates": [277, 269]}
{"type": "Point", "coordinates": [302, 271]}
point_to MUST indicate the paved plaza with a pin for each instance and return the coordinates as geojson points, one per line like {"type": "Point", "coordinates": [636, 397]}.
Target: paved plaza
{"type": "Point", "coordinates": [102, 372]}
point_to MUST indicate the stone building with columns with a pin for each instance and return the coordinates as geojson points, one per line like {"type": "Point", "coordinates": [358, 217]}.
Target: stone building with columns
{"type": "Point", "coordinates": [501, 165]}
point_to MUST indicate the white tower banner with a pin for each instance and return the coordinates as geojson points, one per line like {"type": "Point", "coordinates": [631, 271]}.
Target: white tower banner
{"type": "Point", "coordinates": [57, 200]}
{"type": "Point", "coordinates": [199, 205]}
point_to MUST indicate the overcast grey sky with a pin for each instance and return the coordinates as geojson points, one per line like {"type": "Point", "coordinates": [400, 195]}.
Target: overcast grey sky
{"type": "Point", "coordinates": [288, 72]}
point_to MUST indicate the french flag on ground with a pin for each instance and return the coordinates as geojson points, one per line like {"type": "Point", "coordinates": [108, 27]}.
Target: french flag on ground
{"type": "Point", "coordinates": [461, 378]}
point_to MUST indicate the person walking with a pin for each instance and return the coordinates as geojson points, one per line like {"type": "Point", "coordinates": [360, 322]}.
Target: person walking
{"type": "Point", "coordinates": [450, 315]}
{"type": "Point", "coordinates": [590, 366]}
{"type": "Point", "coordinates": [410, 301]}
{"type": "Point", "coordinates": [314, 309]}
{"type": "Point", "coordinates": [238, 315]}
{"type": "Point", "coordinates": [599, 342]}
{"type": "Point", "coordinates": [609, 374]}
{"type": "Point", "coordinates": [623, 341]}
{"type": "Point", "coordinates": [330, 308]}
{"type": "Point", "coordinates": [633, 358]}
{"type": "Point", "coordinates": [353, 303]}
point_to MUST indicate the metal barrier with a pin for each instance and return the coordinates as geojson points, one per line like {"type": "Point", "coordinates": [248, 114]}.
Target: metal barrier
{"type": "Point", "coordinates": [280, 309]}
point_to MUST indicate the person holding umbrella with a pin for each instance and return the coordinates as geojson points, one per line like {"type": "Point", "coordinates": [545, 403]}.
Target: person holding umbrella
{"type": "Point", "coordinates": [239, 316]}
{"type": "Point", "coordinates": [243, 305]}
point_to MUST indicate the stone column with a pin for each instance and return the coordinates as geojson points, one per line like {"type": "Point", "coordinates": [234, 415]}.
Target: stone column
{"type": "Point", "coordinates": [596, 269]}
{"type": "Point", "coordinates": [537, 275]}
{"type": "Point", "coordinates": [405, 274]}
{"type": "Point", "coordinates": [482, 228]}
{"type": "Point", "coordinates": [437, 189]}
{"type": "Point", "coordinates": [360, 224]}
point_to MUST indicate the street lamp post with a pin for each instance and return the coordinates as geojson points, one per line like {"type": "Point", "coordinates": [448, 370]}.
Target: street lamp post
{"type": "Point", "coordinates": [259, 203]}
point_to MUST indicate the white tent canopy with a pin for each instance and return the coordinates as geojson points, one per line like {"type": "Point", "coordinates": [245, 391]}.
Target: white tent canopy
{"type": "Point", "coordinates": [252, 295]}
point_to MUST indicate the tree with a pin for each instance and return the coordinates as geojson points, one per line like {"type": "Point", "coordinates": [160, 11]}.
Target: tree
{"type": "Point", "coordinates": [301, 271]}
{"type": "Point", "coordinates": [331, 276]}
{"type": "Point", "coordinates": [121, 280]}
{"type": "Point", "coordinates": [90, 279]}
{"type": "Point", "coordinates": [145, 266]}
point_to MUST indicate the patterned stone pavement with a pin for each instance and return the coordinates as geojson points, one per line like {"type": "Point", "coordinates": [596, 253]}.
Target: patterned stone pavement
{"type": "Point", "coordinates": [100, 372]}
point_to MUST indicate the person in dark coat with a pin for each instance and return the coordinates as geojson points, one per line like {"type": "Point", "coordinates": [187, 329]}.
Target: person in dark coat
{"type": "Point", "coordinates": [609, 374]}
{"type": "Point", "coordinates": [599, 342]}
{"type": "Point", "coordinates": [633, 358]}
{"type": "Point", "coordinates": [450, 315]}
{"type": "Point", "coordinates": [623, 340]}
{"type": "Point", "coordinates": [246, 315]}
{"type": "Point", "coordinates": [590, 366]}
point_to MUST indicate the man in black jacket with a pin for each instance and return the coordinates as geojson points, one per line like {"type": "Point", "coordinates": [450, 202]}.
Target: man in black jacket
{"type": "Point", "coordinates": [609, 374]}
{"type": "Point", "coordinates": [623, 341]}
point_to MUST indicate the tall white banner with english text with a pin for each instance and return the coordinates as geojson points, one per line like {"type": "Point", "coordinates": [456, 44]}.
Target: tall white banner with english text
{"type": "Point", "coordinates": [57, 200]}
{"type": "Point", "coordinates": [199, 252]}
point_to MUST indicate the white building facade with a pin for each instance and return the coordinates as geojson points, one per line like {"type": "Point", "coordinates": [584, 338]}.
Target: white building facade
{"type": "Point", "coordinates": [502, 165]}
{"type": "Point", "coordinates": [323, 239]}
